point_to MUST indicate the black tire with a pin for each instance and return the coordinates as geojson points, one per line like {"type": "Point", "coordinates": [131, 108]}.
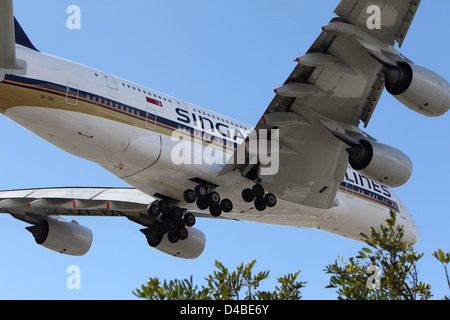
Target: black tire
{"type": "Point", "coordinates": [183, 234]}
{"type": "Point", "coordinates": [164, 206]}
{"type": "Point", "coordinates": [201, 191]}
{"type": "Point", "coordinates": [260, 204]}
{"type": "Point", "coordinates": [258, 191]}
{"type": "Point", "coordinates": [189, 196]}
{"type": "Point", "coordinates": [213, 199]}
{"type": "Point", "coordinates": [171, 226]}
{"type": "Point", "coordinates": [247, 195]}
{"type": "Point", "coordinates": [180, 224]}
{"type": "Point", "coordinates": [271, 200]}
{"type": "Point", "coordinates": [189, 219]}
{"type": "Point", "coordinates": [173, 236]}
{"type": "Point", "coordinates": [176, 213]}
{"type": "Point", "coordinates": [161, 227]}
{"type": "Point", "coordinates": [226, 205]}
{"type": "Point", "coordinates": [153, 210]}
{"type": "Point", "coordinates": [165, 218]}
{"type": "Point", "coordinates": [215, 211]}
{"type": "Point", "coordinates": [202, 204]}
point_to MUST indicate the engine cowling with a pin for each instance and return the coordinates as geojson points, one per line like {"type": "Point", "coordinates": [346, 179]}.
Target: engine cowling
{"type": "Point", "coordinates": [419, 89]}
{"type": "Point", "coordinates": [381, 163]}
{"type": "Point", "coordinates": [63, 236]}
{"type": "Point", "coordinates": [190, 248]}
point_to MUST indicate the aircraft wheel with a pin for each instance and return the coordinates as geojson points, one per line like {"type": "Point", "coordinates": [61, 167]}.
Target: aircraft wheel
{"type": "Point", "coordinates": [260, 204]}
{"type": "Point", "coordinates": [173, 236]}
{"type": "Point", "coordinates": [247, 195]}
{"type": "Point", "coordinates": [183, 234]}
{"type": "Point", "coordinates": [176, 213]}
{"type": "Point", "coordinates": [189, 196]}
{"type": "Point", "coordinates": [161, 228]}
{"type": "Point", "coordinates": [189, 219]}
{"type": "Point", "coordinates": [164, 206]}
{"type": "Point", "coordinates": [213, 199]}
{"type": "Point", "coordinates": [202, 204]}
{"type": "Point", "coordinates": [226, 205]}
{"type": "Point", "coordinates": [258, 191]}
{"type": "Point", "coordinates": [153, 210]}
{"type": "Point", "coordinates": [201, 191]}
{"type": "Point", "coordinates": [215, 211]}
{"type": "Point", "coordinates": [271, 200]}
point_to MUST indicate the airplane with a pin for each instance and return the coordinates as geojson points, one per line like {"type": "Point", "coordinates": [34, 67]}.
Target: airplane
{"type": "Point", "coordinates": [183, 162]}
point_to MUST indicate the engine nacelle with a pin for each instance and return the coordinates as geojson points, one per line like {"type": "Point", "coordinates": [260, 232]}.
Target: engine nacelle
{"type": "Point", "coordinates": [381, 163]}
{"type": "Point", "coordinates": [419, 89]}
{"type": "Point", "coordinates": [190, 248]}
{"type": "Point", "coordinates": [63, 236]}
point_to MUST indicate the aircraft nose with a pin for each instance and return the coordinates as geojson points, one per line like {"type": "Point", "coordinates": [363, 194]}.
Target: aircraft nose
{"type": "Point", "coordinates": [412, 234]}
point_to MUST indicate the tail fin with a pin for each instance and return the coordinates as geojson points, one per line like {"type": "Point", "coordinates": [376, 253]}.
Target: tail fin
{"type": "Point", "coordinates": [10, 32]}
{"type": "Point", "coordinates": [21, 37]}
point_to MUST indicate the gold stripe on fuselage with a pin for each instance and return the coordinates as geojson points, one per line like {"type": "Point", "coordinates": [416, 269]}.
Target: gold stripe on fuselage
{"type": "Point", "coordinates": [14, 94]}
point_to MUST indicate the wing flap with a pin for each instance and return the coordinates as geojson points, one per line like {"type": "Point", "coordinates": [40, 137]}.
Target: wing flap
{"type": "Point", "coordinates": [75, 201]}
{"type": "Point", "coordinates": [311, 172]}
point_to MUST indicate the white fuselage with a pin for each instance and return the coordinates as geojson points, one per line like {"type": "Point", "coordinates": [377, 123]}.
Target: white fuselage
{"type": "Point", "coordinates": [127, 129]}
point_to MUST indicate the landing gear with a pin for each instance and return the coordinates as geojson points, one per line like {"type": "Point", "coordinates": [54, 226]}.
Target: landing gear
{"type": "Point", "coordinates": [173, 222]}
{"type": "Point", "coordinates": [206, 198]}
{"type": "Point", "coordinates": [259, 198]}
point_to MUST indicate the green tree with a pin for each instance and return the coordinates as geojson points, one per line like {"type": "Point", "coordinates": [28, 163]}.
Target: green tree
{"type": "Point", "coordinates": [224, 285]}
{"type": "Point", "coordinates": [443, 258]}
{"type": "Point", "coordinates": [385, 271]}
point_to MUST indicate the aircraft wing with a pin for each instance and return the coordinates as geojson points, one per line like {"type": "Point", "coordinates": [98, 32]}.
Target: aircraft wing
{"type": "Point", "coordinates": [396, 17]}
{"type": "Point", "coordinates": [335, 86]}
{"type": "Point", "coordinates": [32, 204]}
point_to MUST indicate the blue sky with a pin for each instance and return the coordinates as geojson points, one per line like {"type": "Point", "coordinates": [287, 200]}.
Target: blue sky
{"type": "Point", "coordinates": [227, 56]}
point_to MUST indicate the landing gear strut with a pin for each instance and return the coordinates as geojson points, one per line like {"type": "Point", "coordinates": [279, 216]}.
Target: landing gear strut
{"type": "Point", "coordinates": [205, 197]}
{"type": "Point", "coordinates": [260, 199]}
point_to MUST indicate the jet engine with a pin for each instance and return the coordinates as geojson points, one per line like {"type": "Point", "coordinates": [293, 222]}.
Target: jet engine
{"type": "Point", "coordinates": [419, 89]}
{"type": "Point", "coordinates": [189, 248]}
{"type": "Point", "coordinates": [381, 163]}
{"type": "Point", "coordinates": [63, 236]}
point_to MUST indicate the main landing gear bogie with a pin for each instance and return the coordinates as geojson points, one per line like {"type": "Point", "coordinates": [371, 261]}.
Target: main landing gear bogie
{"type": "Point", "coordinates": [173, 222]}
{"type": "Point", "coordinates": [205, 197]}
{"type": "Point", "coordinates": [260, 198]}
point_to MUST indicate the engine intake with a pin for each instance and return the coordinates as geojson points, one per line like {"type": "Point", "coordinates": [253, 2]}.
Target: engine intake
{"type": "Point", "coordinates": [419, 89]}
{"type": "Point", "coordinates": [63, 236]}
{"type": "Point", "coordinates": [381, 163]}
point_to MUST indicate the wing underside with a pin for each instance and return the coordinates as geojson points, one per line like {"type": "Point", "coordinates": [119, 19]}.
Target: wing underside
{"type": "Point", "coordinates": [334, 88]}
{"type": "Point", "coordinates": [32, 205]}
{"type": "Point", "coordinates": [395, 18]}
